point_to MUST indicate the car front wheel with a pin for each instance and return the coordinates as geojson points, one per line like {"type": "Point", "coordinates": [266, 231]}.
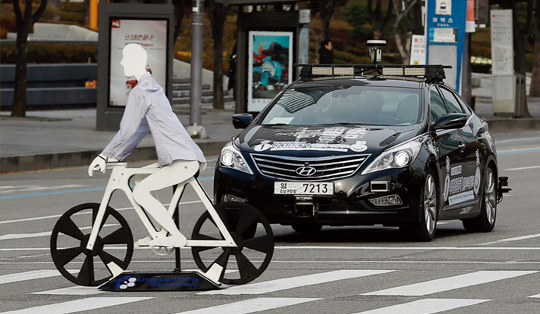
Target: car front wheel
{"type": "Point", "coordinates": [424, 230]}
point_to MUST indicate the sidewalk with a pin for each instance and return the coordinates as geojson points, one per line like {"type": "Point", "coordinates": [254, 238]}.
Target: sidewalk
{"type": "Point", "coordinates": [497, 124]}
{"type": "Point", "coordinates": [67, 138]}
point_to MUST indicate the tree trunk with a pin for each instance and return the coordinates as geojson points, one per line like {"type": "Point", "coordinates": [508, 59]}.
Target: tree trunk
{"type": "Point", "coordinates": [24, 25]}
{"type": "Point", "coordinates": [55, 4]}
{"type": "Point", "coordinates": [86, 12]}
{"type": "Point", "coordinates": [519, 59]}
{"type": "Point", "coordinates": [326, 10]}
{"type": "Point", "coordinates": [403, 50]}
{"type": "Point", "coordinates": [179, 8]}
{"type": "Point", "coordinates": [535, 79]}
{"type": "Point", "coordinates": [218, 15]}
{"type": "Point", "coordinates": [19, 91]}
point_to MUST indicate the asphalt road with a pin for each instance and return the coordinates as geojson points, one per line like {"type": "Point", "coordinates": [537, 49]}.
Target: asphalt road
{"type": "Point", "coordinates": [338, 270]}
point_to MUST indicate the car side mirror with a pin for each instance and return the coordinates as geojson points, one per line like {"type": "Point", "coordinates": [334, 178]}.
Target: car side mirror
{"type": "Point", "coordinates": [242, 120]}
{"type": "Point", "coordinates": [450, 121]}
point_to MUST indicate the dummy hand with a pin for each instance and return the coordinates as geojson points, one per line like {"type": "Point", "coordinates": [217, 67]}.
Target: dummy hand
{"type": "Point", "coordinates": [100, 164]}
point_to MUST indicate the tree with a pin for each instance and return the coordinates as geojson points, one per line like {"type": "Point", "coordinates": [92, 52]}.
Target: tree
{"type": "Point", "coordinates": [378, 18]}
{"type": "Point", "coordinates": [24, 25]}
{"type": "Point", "coordinates": [55, 5]}
{"type": "Point", "coordinates": [535, 79]}
{"type": "Point", "coordinates": [179, 9]}
{"type": "Point", "coordinates": [404, 50]}
{"type": "Point", "coordinates": [325, 10]}
{"type": "Point", "coordinates": [218, 16]}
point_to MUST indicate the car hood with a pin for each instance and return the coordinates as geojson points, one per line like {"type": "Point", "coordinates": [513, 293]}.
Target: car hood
{"type": "Point", "coordinates": [323, 140]}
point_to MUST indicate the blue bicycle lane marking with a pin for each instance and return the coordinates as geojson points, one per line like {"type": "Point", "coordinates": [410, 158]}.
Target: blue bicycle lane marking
{"type": "Point", "coordinates": [98, 188]}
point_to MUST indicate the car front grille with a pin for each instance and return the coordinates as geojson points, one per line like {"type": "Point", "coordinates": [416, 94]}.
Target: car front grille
{"type": "Point", "coordinates": [326, 168]}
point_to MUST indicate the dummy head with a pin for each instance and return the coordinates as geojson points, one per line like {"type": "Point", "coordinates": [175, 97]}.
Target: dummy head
{"type": "Point", "coordinates": [134, 60]}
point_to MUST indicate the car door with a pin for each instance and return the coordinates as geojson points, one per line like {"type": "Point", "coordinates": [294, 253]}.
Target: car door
{"type": "Point", "coordinates": [470, 147]}
{"type": "Point", "coordinates": [451, 159]}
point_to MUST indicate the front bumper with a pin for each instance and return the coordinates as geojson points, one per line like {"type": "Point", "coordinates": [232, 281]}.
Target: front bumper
{"type": "Point", "coordinates": [350, 204]}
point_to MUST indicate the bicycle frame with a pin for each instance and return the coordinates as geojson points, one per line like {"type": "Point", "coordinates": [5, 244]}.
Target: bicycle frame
{"type": "Point", "coordinates": [119, 180]}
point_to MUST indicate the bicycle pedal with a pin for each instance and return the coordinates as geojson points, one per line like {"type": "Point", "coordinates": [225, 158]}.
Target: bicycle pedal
{"type": "Point", "coordinates": [144, 242]}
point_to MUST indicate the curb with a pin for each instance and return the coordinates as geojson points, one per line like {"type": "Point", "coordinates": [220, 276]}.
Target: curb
{"type": "Point", "coordinates": [84, 158]}
{"type": "Point", "coordinates": [513, 125]}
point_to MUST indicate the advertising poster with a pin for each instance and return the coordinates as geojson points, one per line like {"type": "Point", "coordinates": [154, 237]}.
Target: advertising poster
{"type": "Point", "coordinates": [418, 50]}
{"type": "Point", "coordinates": [150, 34]}
{"type": "Point", "coordinates": [270, 63]}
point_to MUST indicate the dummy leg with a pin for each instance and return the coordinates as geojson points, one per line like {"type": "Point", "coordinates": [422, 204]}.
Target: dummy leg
{"type": "Point", "coordinates": [175, 173]}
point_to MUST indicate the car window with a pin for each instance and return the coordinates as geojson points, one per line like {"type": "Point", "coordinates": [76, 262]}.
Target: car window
{"type": "Point", "coordinates": [464, 105]}
{"type": "Point", "coordinates": [451, 101]}
{"type": "Point", "coordinates": [437, 108]}
{"type": "Point", "coordinates": [346, 105]}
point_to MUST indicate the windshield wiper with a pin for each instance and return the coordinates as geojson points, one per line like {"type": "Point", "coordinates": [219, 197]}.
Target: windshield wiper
{"type": "Point", "coordinates": [275, 124]}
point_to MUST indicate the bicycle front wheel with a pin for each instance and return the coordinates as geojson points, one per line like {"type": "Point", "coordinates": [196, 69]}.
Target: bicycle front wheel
{"type": "Point", "coordinates": [250, 231]}
{"type": "Point", "coordinates": [70, 236]}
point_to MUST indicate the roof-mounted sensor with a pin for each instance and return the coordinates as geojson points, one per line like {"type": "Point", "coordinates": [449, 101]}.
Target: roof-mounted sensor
{"type": "Point", "coordinates": [431, 73]}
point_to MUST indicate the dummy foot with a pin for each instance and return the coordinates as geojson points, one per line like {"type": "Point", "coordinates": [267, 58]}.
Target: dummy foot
{"type": "Point", "coordinates": [172, 241]}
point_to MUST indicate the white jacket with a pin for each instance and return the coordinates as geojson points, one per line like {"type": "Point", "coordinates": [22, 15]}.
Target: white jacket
{"type": "Point", "coordinates": [149, 110]}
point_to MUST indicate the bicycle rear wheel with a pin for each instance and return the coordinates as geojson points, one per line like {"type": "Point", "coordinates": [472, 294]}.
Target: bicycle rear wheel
{"type": "Point", "coordinates": [251, 233]}
{"type": "Point", "coordinates": [70, 236]}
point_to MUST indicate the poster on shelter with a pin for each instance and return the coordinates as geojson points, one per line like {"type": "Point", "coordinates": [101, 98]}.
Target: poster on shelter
{"type": "Point", "coordinates": [270, 63]}
{"type": "Point", "coordinates": [151, 35]}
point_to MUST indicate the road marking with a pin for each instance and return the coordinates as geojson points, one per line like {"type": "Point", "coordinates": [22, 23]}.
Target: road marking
{"type": "Point", "coordinates": [360, 248]}
{"type": "Point", "coordinates": [85, 213]}
{"type": "Point", "coordinates": [79, 190]}
{"type": "Point", "coordinates": [531, 236]}
{"type": "Point", "coordinates": [160, 261]}
{"type": "Point", "coordinates": [516, 140]}
{"type": "Point", "coordinates": [522, 168]}
{"type": "Point", "coordinates": [519, 151]}
{"type": "Point", "coordinates": [79, 305]}
{"type": "Point", "coordinates": [251, 306]}
{"type": "Point", "coordinates": [35, 274]}
{"type": "Point", "coordinates": [24, 188]}
{"type": "Point", "coordinates": [419, 248]}
{"type": "Point", "coordinates": [75, 290]}
{"type": "Point", "coordinates": [450, 283]}
{"type": "Point", "coordinates": [426, 306]}
{"type": "Point", "coordinates": [295, 282]}
{"type": "Point", "coordinates": [40, 234]}
{"type": "Point", "coordinates": [535, 296]}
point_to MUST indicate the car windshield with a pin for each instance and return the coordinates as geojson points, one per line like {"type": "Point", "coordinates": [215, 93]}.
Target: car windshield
{"type": "Point", "coordinates": [388, 106]}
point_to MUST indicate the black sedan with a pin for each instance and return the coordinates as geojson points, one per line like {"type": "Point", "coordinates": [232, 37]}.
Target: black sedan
{"type": "Point", "coordinates": [397, 150]}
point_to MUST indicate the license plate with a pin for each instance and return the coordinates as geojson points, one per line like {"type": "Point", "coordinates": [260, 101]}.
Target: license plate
{"type": "Point", "coordinates": [304, 188]}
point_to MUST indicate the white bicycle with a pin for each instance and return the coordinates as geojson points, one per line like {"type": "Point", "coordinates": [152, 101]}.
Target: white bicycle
{"type": "Point", "coordinates": [224, 234]}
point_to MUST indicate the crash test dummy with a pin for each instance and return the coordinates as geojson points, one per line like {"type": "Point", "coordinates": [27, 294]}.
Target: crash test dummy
{"type": "Point", "coordinates": [148, 111]}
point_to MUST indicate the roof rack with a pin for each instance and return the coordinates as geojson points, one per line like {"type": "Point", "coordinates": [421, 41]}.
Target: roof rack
{"type": "Point", "coordinates": [431, 72]}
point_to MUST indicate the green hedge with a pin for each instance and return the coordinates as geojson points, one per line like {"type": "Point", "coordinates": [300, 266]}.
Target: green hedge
{"type": "Point", "coordinates": [51, 53]}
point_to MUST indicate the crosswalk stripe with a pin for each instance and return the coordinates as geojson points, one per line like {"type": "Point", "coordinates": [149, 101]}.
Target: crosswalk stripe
{"type": "Point", "coordinates": [35, 274]}
{"type": "Point", "coordinates": [41, 234]}
{"type": "Point", "coordinates": [450, 283]}
{"type": "Point", "coordinates": [426, 306]}
{"type": "Point", "coordinates": [78, 305]}
{"type": "Point", "coordinates": [295, 282]}
{"type": "Point", "coordinates": [74, 290]}
{"type": "Point", "coordinates": [251, 306]}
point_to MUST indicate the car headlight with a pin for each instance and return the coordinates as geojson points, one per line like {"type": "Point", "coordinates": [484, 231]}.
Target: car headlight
{"type": "Point", "coordinates": [232, 158]}
{"type": "Point", "coordinates": [396, 157]}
